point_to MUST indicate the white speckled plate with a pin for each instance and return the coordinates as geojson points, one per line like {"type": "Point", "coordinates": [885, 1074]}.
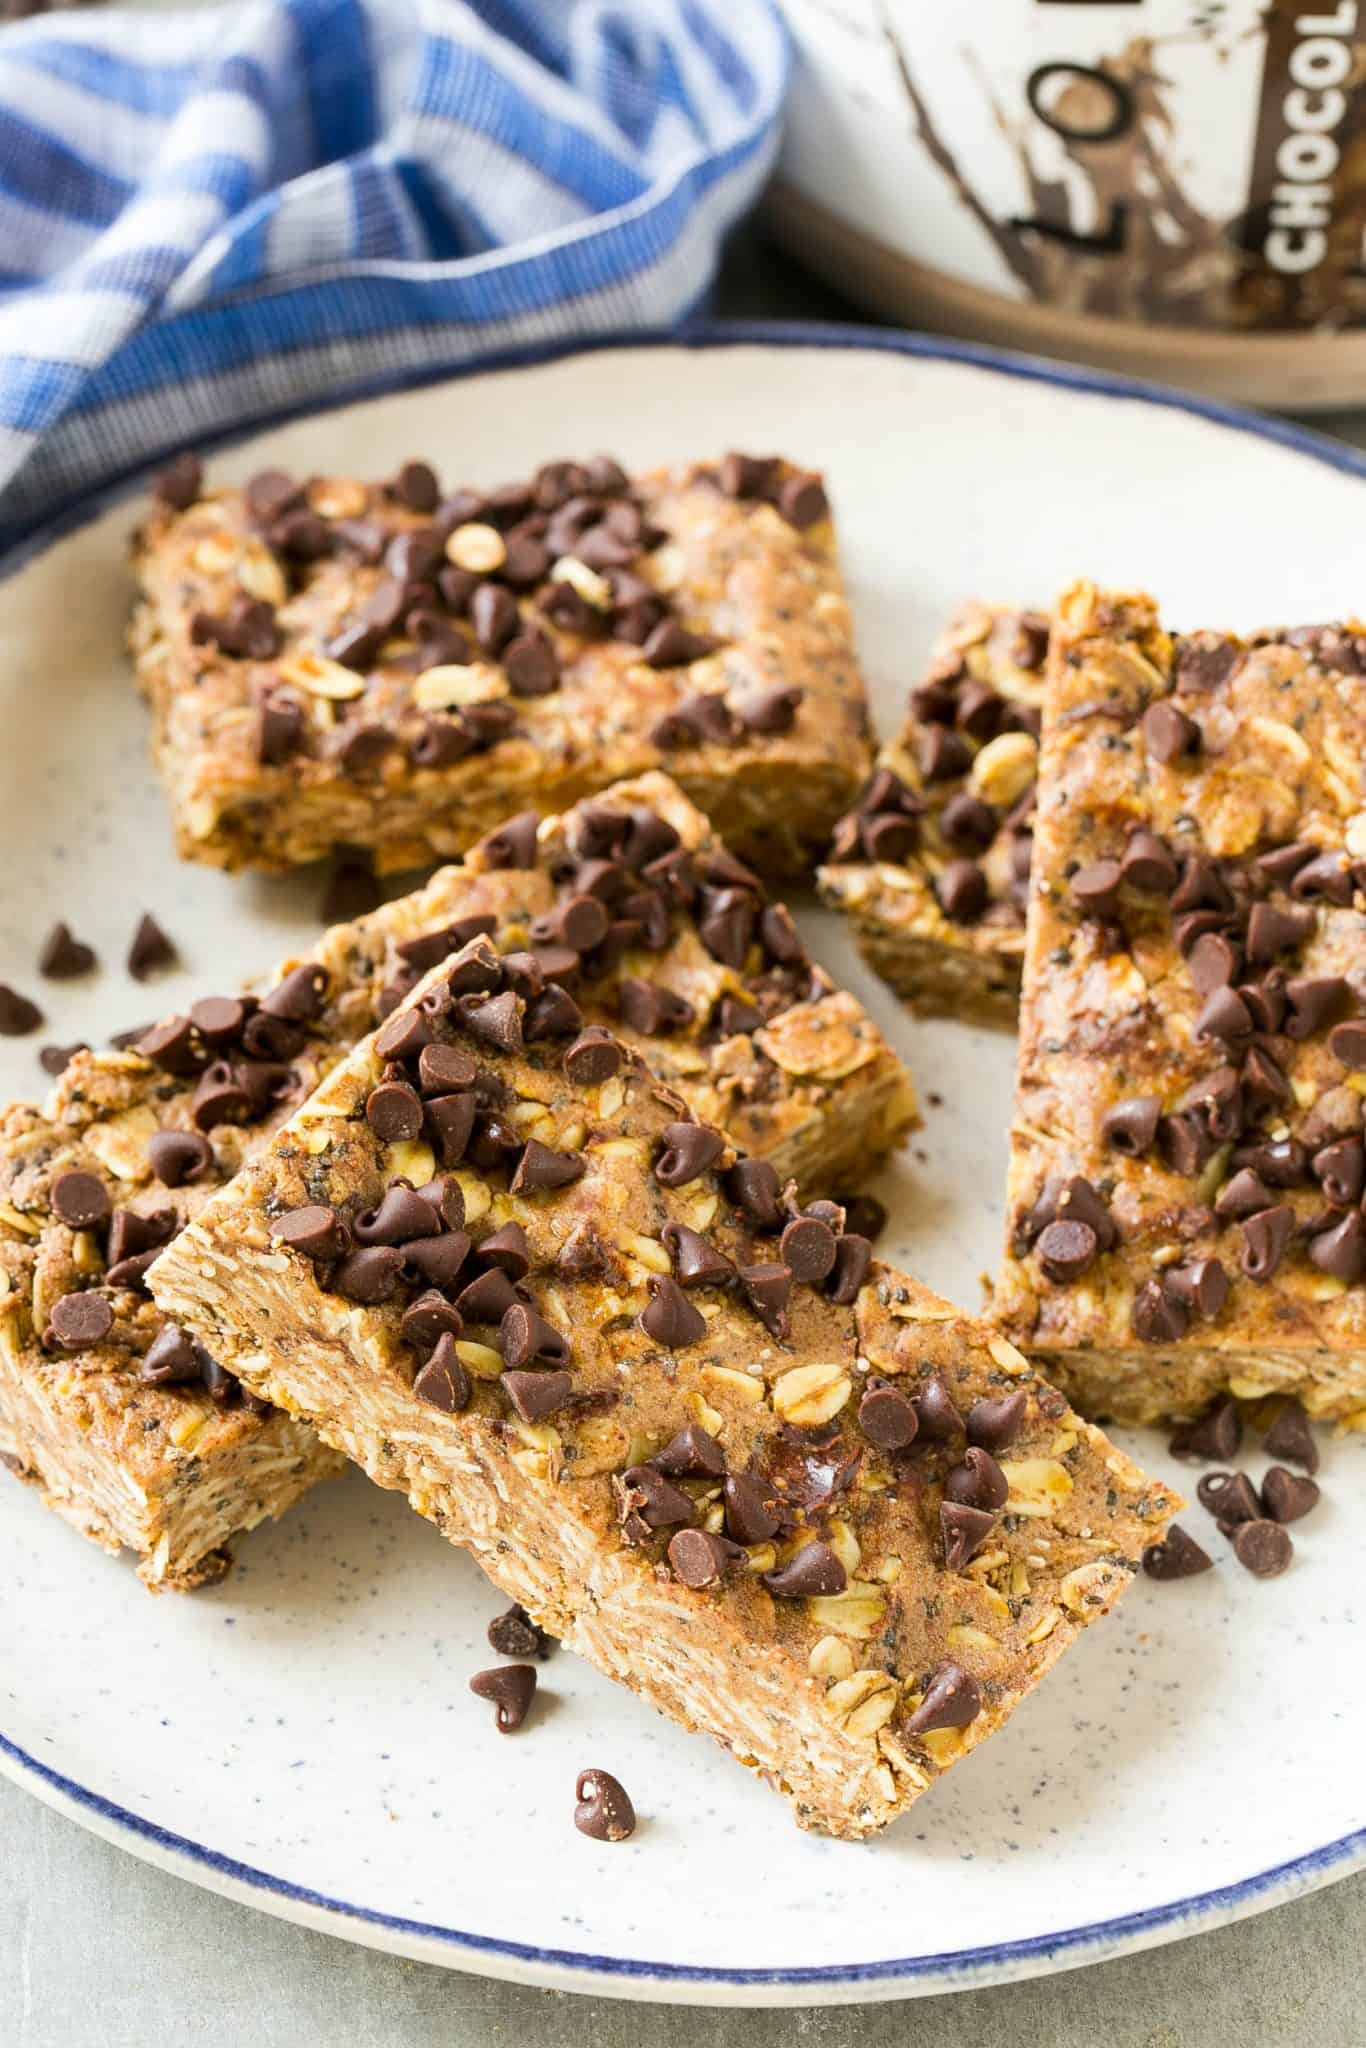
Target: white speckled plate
{"type": "Point", "coordinates": [302, 1737]}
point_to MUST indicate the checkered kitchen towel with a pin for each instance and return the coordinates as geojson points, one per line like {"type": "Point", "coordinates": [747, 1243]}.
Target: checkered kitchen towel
{"type": "Point", "coordinates": [208, 215]}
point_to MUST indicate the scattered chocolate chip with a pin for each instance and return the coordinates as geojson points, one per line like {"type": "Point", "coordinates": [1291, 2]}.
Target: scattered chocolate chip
{"type": "Point", "coordinates": [853, 1257]}
{"type": "Point", "coordinates": [1341, 1251]}
{"type": "Point", "coordinates": [978, 1482]}
{"type": "Point", "coordinates": [1168, 733]}
{"type": "Point", "coordinates": [1096, 887]}
{"type": "Point", "coordinates": [952, 1699]}
{"type": "Point", "coordinates": [298, 997]}
{"type": "Point", "coordinates": [179, 484]}
{"type": "Point", "coordinates": [511, 1687]}
{"type": "Point", "coordinates": [1215, 1435]}
{"type": "Point", "coordinates": [495, 1020]}
{"type": "Point", "coordinates": [62, 956]}
{"type": "Point", "coordinates": [1347, 1042]}
{"type": "Point", "coordinates": [1148, 865]}
{"type": "Point", "coordinates": [671, 645]}
{"type": "Point", "coordinates": [1266, 1239]}
{"type": "Point", "coordinates": [964, 1529]}
{"type": "Point", "coordinates": [1066, 1250]}
{"type": "Point", "coordinates": [1131, 1126]}
{"type": "Point", "coordinates": [815, 1573]}
{"type": "Point", "coordinates": [1271, 931]}
{"type": "Point", "coordinates": [1325, 878]}
{"type": "Point", "coordinates": [1177, 1556]}
{"type": "Point", "coordinates": [81, 1319]}
{"type": "Point", "coordinates": [1262, 1548]}
{"type": "Point", "coordinates": [1230, 1497]}
{"type": "Point", "coordinates": [1315, 1001]}
{"type": "Point", "coordinates": [962, 890]}
{"type": "Point", "coordinates": [539, 1169]}
{"type": "Point", "coordinates": [1224, 1015]}
{"type": "Point", "coordinates": [526, 1338]}
{"type": "Point", "coordinates": [315, 1230]}
{"type": "Point", "coordinates": [246, 631]}
{"type": "Point", "coordinates": [55, 1059]}
{"type": "Point", "coordinates": [1202, 1284]}
{"type": "Point", "coordinates": [752, 1185]}
{"type": "Point", "coordinates": [443, 1382]}
{"type": "Point", "coordinates": [514, 1634]}
{"type": "Point", "coordinates": [669, 1317]}
{"type": "Point", "coordinates": [604, 1812]}
{"type": "Point", "coordinates": [1286, 1496]}
{"type": "Point", "coordinates": [939, 1417]}
{"type": "Point", "coordinates": [690, 1150]}
{"type": "Point", "coordinates": [772, 710]}
{"type": "Point", "coordinates": [593, 1057]}
{"type": "Point", "coordinates": [701, 1559]}
{"type": "Point", "coordinates": [537, 1396]}
{"type": "Point", "coordinates": [1214, 962]}
{"type": "Point", "coordinates": [369, 1275]}
{"type": "Point", "coordinates": [997, 1421]}
{"type": "Point", "coordinates": [170, 1360]}
{"type": "Point", "coordinates": [1290, 1436]}
{"type": "Point", "coordinates": [427, 1319]}
{"type": "Point", "coordinates": [887, 1418]}
{"type": "Point", "coordinates": [749, 1515]}
{"type": "Point", "coordinates": [507, 1249]}
{"type": "Point", "coordinates": [393, 1111]}
{"type": "Point", "coordinates": [692, 1454]}
{"type": "Point", "coordinates": [807, 1249]}
{"type": "Point", "coordinates": [767, 1288]}
{"type": "Point", "coordinates": [513, 844]}
{"type": "Point", "coordinates": [401, 1215]}
{"type": "Point", "coordinates": [80, 1200]}
{"type": "Point", "coordinates": [18, 1015]}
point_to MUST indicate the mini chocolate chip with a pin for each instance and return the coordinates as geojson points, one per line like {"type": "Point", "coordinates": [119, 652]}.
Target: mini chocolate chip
{"type": "Point", "coordinates": [80, 1200]}
{"type": "Point", "coordinates": [537, 1396]}
{"type": "Point", "coordinates": [246, 631]}
{"type": "Point", "coordinates": [1225, 1016]}
{"type": "Point", "coordinates": [513, 844]}
{"type": "Point", "coordinates": [81, 1319]}
{"type": "Point", "coordinates": [1168, 733]}
{"type": "Point", "coordinates": [495, 1020]}
{"type": "Point", "coordinates": [604, 1811]}
{"type": "Point", "coordinates": [1214, 962]}
{"type": "Point", "coordinates": [963, 1529]}
{"type": "Point", "coordinates": [1177, 1556]}
{"type": "Point", "coordinates": [939, 1416]}
{"type": "Point", "coordinates": [1347, 1043]}
{"type": "Point", "coordinates": [726, 925]}
{"type": "Point", "coordinates": [393, 1111]}
{"type": "Point", "coordinates": [1327, 877]}
{"type": "Point", "coordinates": [701, 1559]}
{"type": "Point", "coordinates": [767, 1288]}
{"type": "Point", "coordinates": [1264, 1080]}
{"type": "Point", "coordinates": [18, 1015]}
{"type": "Point", "coordinates": [428, 1318]}
{"type": "Point", "coordinates": [315, 1230]}
{"type": "Point", "coordinates": [1096, 887]}
{"type": "Point", "coordinates": [1185, 1143]}
{"type": "Point", "coordinates": [441, 1069]}
{"type": "Point", "coordinates": [508, 1249]}
{"type": "Point", "coordinates": [539, 1169]}
{"type": "Point", "coordinates": [1214, 1435]}
{"type": "Point", "coordinates": [692, 1454]}
{"type": "Point", "coordinates": [298, 996]}
{"type": "Point", "coordinates": [63, 957]}
{"type": "Point", "coordinates": [1230, 1497]}
{"type": "Point", "coordinates": [514, 1634]}
{"type": "Point", "coordinates": [807, 1249]}
{"type": "Point", "coordinates": [449, 1119]}
{"type": "Point", "coordinates": [594, 1057]}
{"type": "Point", "coordinates": [531, 664]}
{"type": "Point", "coordinates": [815, 1573]}
{"type": "Point", "coordinates": [1290, 1436]}
{"type": "Point", "coordinates": [526, 1338]}
{"type": "Point", "coordinates": [401, 1215]}
{"type": "Point", "coordinates": [55, 1059]}
{"type": "Point", "coordinates": [170, 1360]}
{"type": "Point", "coordinates": [1148, 865]}
{"type": "Point", "coordinates": [671, 645]}
{"type": "Point", "coordinates": [174, 1046]}
{"type": "Point", "coordinates": [511, 1687]}
{"type": "Point", "coordinates": [1315, 1001]}
{"type": "Point", "coordinates": [1243, 1195]}
{"type": "Point", "coordinates": [1066, 1250]}
{"type": "Point", "coordinates": [942, 754]}
{"type": "Point", "coordinates": [1286, 1497]}
{"type": "Point", "coordinates": [649, 1502]}
{"type": "Point", "coordinates": [952, 1699]}
{"type": "Point", "coordinates": [1271, 930]}
{"type": "Point", "coordinates": [1262, 1548]}
{"type": "Point", "coordinates": [443, 1382]}
{"type": "Point", "coordinates": [1341, 1251]}
{"type": "Point", "coordinates": [853, 1257]}
{"type": "Point", "coordinates": [887, 1418]}
{"type": "Point", "coordinates": [697, 1262]}
{"type": "Point", "coordinates": [772, 710]}
{"type": "Point", "coordinates": [1131, 1126]}
{"type": "Point", "coordinates": [369, 1275]}
{"type": "Point", "coordinates": [967, 823]}
{"type": "Point", "coordinates": [962, 890]}
{"type": "Point", "coordinates": [150, 949]}
{"type": "Point", "coordinates": [690, 1150]}
{"type": "Point", "coordinates": [995, 1422]}
{"type": "Point", "coordinates": [1266, 1239]}
{"type": "Point", "coordinates": [487, 1298]}
{"type": "Point", "coordinates": [669, 1317]}
{"type": "Point", "coordinates": [978, 1482]}
{"type": "Point", "coordinates": [179, 484]}
{"type": "Point", "coordinates": [753, 1186]}
{"type": "Point", "coordinates": [1202, 1284]}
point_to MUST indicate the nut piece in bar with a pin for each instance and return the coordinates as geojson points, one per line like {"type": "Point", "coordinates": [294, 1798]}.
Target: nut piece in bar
{"type": "Point", "coordinates": [759, 1038]}
{"type": "Point", "coordinates": [932, 864]}
{"type": "Point", "coordinates": [399, 669]}
{"type": "Point", "coordinates": [1188, 1162]}
{"type": "Point", "coordinates": [689, 1425]}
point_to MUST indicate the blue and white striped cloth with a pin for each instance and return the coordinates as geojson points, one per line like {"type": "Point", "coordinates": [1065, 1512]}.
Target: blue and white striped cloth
{"type": "Point", "coordinates": [208, 215]}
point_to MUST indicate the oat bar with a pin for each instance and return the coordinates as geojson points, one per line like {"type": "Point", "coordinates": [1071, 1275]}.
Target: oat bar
{"type": "Point", "coordinates": [385, 667]}
{"type": "Point", "coordinates": [932, 864]}
{"type": "Point", "coordinates": [630, 902]}
{"type": "Point", "coordinates": [691, 1426]}
{"type": "Point", "coordinates": [1187, 1155]}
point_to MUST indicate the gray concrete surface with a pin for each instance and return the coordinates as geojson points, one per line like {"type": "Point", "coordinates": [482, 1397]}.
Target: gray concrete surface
{"type": "Point", "coordinates": [99, 1951]}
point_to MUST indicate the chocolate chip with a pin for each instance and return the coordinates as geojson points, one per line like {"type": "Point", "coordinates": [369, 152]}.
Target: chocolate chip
{"type": "Point", "coordinates": [1263, 1079]}
{"type": "Point", "coordinates": [1262, 1548]}
{"type": "Point", "coordinates": [81, 1319]}
{"type": "Point", "coordinates": [771, 711]}
{"type": "Point", "coordinates": [1327, 878]}
{"type": "Point", "coordinates": [1290, 1436]}
{"type": "Point", "coordinates": [513, 844]}
{"type": "Point", "coordinates": [952, 1699]}
{"type": "Point", "coordinates": [1148, 865]}
{"type": "Point", "coordinates": [63, 957]}
{"type": "Point", "coordinates": [962, 890]}
{"type": "Point", "coordinates": [507, 1248]}
{"type": "Point", "coordinates": [692, 1454]}
{"type": "Point", "coordinates": [1283, 1163]}
{"type": "Point", "coordinates": [1177, 1556]}
{"type": "Point", "coordinates": [488, 1297]}
{"type": "Point", "coordinates": [1096, 887]}
{"type": "Point", "coordinates": [671, 645]}
{"type": "Point", "coordinates": [80, 1200]}
{"type": "Point", "coordinates": [370, 1275]}
{"type": "Point", "coordinates": [1168, 733]}
{"type": "Point", "coordinates": [55, 1059]}
{"type": "Point", "coordinates": [1315, 1001]}
{"type": "Point", "coordinates": [393, 1111]}
{"type": "Point", "coordinates": [753, 1186]}
{"type": "Point", "coordinates": [767, 1288]}
{"type": "Point", "coordinates": [1266, 1239]}
{"type": "Point", "coordinates": [651, 1009]}
{"type": "Point", "coordinates": [807, 1248]}
{"type": "Point", "coordinates": [443, 1382]}
{"type": "Point", "coordinates": [1131, 1126]}
{"type": "Point", "coordinates": [170, 1360]}
{"type": "Point", "coordinates": [298, 996]}
{"type": "Point", "coordinates": [594, 1057]}
{"type": "Point", "coordinates": [531, 664]}
{"type": "Point", "coordinates": [495, 1020]}
{"type": "Point", "coordinates": [978, 1482]}
{"type": "Point", "coordinates": [1202, 1284]}
{"type": "Point", "coordinates": [1271, 931]}
{"type": "Point", "coordinates": [1286, 1497]}
{"type": "Point", "coordinates": [427, 1319]}
{"type": "Point", "coordinates": [246, 631]}
{"type": "Point", "coordinates": [179, 484]}
{"type": "Point", "coordinates": [726, 925]}
{"type": "Point", "coordinates": [1185, 1144]}
{"type": "Point", "coordinates": [967, 823]}
{"type": "Point", "coordinates": [669, 1317]}
{"type": "Point", "coordinates": [1347, 1043]}
{"type": "Point", "coordinates": [1215, 1435]}
{"type": "Point", "coordinates": [18, 1015]}
{"type": "Point", "coordinates": [1244, 1195]}
{"type": "Point", "coordinates": [514, 1634]}
{"type": "Point", "coordinates": [315, 1230]}
{"type": "Point", "coordinates": [995, 1422]}
{"type": "Point", "coordinates": [1213, 961]}
{"type": "Point", "coordinates": [511, 1687]}
{"type": "Point", "coordinates": [779, 937]}
{"type": "Point", "coordinates": [1225, 1016]}
{"type": "Point", "coordinates": [853, 1257]}
{"type": "Point", "coordinates": [701, 1559]}
{"type": "Point", "coordinates": [939, 1417]}
{"type": "Point", "coordinates": [449, 1120]}
{"type": "Point", "coordinates": [690, 1150]}
{"type": "Point", "coordinates": [887, 1418]}
{"type": "Point", "coordinates": [537, 1396]}
{"type": "Point", "coordinates": [401, 1215]}
{"type": "Point", "coordinates": [1341, 1251]}
{"type": "Point", "coordinates": [1066, 1250]}
{"type": "Point", "coordinates": [539, 1169]}
{"type": "Point", "coordinates": [697, 1262]}
{"type": "Point", "coordinates": [1230, 1497]}
{"type": "Point", "coordinates": [526, 1338]}
{"type": "Point", "coordinates": [604, 1811]}
{"type": "Point", "coordinates": [815, 1573]}
{"type": "Point", "coordinates": [963, 1529]}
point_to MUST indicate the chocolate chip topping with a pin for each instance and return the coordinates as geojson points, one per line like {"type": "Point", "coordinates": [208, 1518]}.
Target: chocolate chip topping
{"type": "Point", "coordinates": [767, 1287]}
{"type": "Point", "coordinates": [748, 1510]}
{"type": "Point", "coordinates": [669, 1317]}
{"type": "Point", "coordinates": [752, 1185]}
{"type": "Point", "coordinates": [1131, 1126]}
{"type": "Point", "coordinates": [1263, 1548]}
{"type": "Point", "coordinates": [692, 1454]}
{"type": "Point", "coordinates": [526, 1338]}
{"type": "Point", "coordinates": [443, 1382]}
{"type": "Point", "coordinates": [81, 1319]}
{"type": "Point", "coordinates": [853, 1258]}
{"type": "Point", "coordinates": [1168, 733]}
{"type": "Point", "coordinates": [952, 1699]}
{"type": "Point", "coordinates": [604, 1811]}
{"type": "Point", "coordinates": [177, 1157]}
{"type": "Point", "coordinates": [1177, 1556]}
{"type": "Point", "coordinates": [18, 1016]}
{"type": "Point", "coordinates": [978, 1482]}
{"type": "Point", "coordinates": [537, 1396]}
{"type": "Point", "coordinates": [814, 1573]}
{"type": "Point", "coordinates": [514, 1634]}
{"type": "Point", "coordinates": [171, 1359]}
{"type": "Point", "coordinates": [1066, 1250]}
{"type": "Point", "coordinates": [962, 890]}
{"type": "Point", "coordinates": [701, 1559]}
{"type": "Point", "coordinates": [63, 956]}
{"type": "Point", "coordinates": [995, 1422]}
{"type": "Point", "coordinates": [939, 1418]}
{"type": "Point", "coordinates": [887, 1418]}
{"type": "Point", "coordinates": [370, 1275]}
{"type": "Point", "coordinates": [393, 1111]}
{"type": "Point", "coordinates": [511, 1687]}
{"type": "Point", "coordinates": [807, 1247]}
{"type": "Point", "coordinates": [80, 1200]}
{"type": "Point", "coordinates": [690, 1150]}
{"type": "Point", "coordinates": [963, 1529]}
{"type": "Point", "coordinates": [1266, 1239]}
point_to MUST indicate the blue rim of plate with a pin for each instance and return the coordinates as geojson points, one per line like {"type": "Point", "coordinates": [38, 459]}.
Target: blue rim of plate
{"type": "Point", "coordinates": [948, 1969]}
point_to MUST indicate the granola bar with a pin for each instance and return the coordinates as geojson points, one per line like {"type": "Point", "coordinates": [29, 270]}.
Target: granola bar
{"type": "Point", "coordinates": [691, 1426]}
{"type": "Point", "coordinates": [379, 666]}
{"type": "Point", "coordinates": [932, 864]}
{"type": "Point", "coordinates": [1187, 1155]}
{"type": "Point", "coordinates": [631, 902]}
